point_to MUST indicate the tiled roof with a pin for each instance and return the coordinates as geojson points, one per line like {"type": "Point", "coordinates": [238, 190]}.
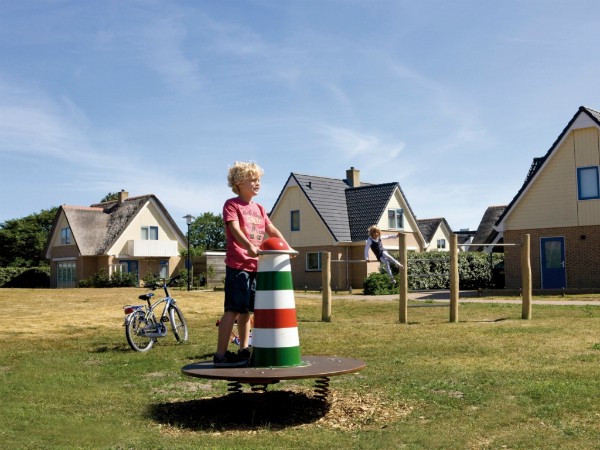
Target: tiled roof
{"type": "Point", "coordinates": [346, 211]}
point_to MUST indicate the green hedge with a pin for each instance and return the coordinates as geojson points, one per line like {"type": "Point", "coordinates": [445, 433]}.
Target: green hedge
{"type": "Point", "coordinates": [25, 277]}
{"type": "Point", "coordinates": [102, 280]}
{"type": "Point", "coordinates": [430, 270]}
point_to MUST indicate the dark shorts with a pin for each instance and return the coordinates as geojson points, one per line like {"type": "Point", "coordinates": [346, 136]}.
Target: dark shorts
{"type": "Point", "coordinates": [240, 288]}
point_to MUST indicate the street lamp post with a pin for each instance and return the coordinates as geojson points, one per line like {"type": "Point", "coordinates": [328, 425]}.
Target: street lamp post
{"type": "Point", "coordinates": [188, 221]}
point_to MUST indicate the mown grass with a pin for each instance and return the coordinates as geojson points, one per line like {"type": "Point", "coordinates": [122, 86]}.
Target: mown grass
{"type": "Point", "coordinates": [69, 380]}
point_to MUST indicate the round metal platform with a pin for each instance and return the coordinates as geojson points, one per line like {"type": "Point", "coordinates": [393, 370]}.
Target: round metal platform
{"type": "Point", "coordinates": [321, 367]}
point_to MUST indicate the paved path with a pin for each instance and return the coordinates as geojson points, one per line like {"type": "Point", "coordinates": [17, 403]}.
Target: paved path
{"type": "Point", "coordinates": [443, 296]}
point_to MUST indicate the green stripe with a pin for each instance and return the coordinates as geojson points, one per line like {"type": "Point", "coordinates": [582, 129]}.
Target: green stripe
{"type": "Point", "coordinates": [274, 281]}
{"type": "Point", "coordinates": [276, 357]}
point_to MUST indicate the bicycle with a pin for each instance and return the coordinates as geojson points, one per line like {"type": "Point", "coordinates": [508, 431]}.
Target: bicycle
{"type": "Point", "coordinates": [143, 328]}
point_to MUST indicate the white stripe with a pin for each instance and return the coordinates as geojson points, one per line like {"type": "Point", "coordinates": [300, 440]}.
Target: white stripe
{"type": "Point", "coordinates": [274, 263]}
{"type": "Point", "coordinates": [275, 337]}
{"type": "Point", "coordinates": [274, 300]}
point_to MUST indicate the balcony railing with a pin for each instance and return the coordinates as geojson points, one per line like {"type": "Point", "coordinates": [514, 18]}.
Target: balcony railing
{"type": "Point", "coordinates": [139, 248]}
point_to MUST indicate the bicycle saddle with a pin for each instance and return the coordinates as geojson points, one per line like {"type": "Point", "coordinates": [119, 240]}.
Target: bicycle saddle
{"type": "Point", "coordinates": [147, 296]}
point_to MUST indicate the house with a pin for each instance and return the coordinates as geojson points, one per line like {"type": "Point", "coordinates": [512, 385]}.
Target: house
{"type": "Point", "coordinates": [130, 234]}
{"type": "Point", "coordinates": [318, 214]}
{"type": "Point", "coordinates": [486, 233]}
{"type": "Point", "coordinates": [464, 237]}
{"type": "Point", "coordinates": [559, 207]}
{"type": "Point", "coordinates": [436, 234]}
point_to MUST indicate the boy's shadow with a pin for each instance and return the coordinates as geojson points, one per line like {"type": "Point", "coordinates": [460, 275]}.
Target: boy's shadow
{"type": "Point", "coordinates": [241, 411]}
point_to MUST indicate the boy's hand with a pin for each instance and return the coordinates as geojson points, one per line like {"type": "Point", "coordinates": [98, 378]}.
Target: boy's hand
{"type": "Point", "coordinates": [252, 251]}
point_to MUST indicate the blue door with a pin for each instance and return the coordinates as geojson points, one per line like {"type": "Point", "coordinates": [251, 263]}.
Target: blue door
{"type": "Point", "coordinates": [553, 263]}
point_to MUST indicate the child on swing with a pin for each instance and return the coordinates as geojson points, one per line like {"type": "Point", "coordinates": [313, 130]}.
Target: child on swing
{"type": "Point", "coordinates": [376, 246]}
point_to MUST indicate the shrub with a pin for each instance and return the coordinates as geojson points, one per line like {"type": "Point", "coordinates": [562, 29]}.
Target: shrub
{"type": "Point", "coordinates": [431, 270]}
{"type": "Point", "coordinates": [25, 277]}
{"type": "Point", "coordinates": [102, 280]}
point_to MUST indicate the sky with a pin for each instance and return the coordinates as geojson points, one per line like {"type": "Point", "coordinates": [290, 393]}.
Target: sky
{"type": "Point", "coordinates": [450, 98]}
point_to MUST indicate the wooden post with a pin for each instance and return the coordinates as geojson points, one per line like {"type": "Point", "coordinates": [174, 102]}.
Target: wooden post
{"type": "Point", "coordinates": [454, 281]}
{"type": "Point", "coordinates": [326, 281]}
{"type": "Point", "coordinates": [403, 285]}
{"type": "Point", "coordinates": [526, 276]}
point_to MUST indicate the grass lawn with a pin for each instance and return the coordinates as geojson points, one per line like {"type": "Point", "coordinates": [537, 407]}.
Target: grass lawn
{"type": "Point", "coordinates": [69, 380]}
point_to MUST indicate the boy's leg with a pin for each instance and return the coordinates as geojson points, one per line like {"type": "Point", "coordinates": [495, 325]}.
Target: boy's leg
{"type": "Point", "coordinates": [225, 328]}
{"type": "Point", "coordinates": [243, 323]}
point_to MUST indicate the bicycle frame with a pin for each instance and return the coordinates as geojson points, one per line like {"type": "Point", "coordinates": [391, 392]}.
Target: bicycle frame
{"type": "Point", "coordinates": [144, 321]}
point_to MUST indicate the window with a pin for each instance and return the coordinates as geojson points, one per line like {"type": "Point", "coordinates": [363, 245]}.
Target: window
{"type": "Point", "coordinates": [313, 262]}
{"type": "Point", "coordinates": [395, 219]}
{"type": "Point", "coordinates": [65, 236]}
{"type": "Point", "coordinates": [441, 243]}
{"type": "Point", "coordinates": [587, 183]}
{"type": "Point", "coordinates": [163, 271]}
{"type": "Point", "coordinates": [295, 220]}
{"type": "Point", "coordinates": [150, 233]}
{"type": "Point", "coordinates": [66, 275]}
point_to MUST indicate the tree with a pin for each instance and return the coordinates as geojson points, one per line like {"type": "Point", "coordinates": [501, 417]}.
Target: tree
{"type": "Point", "coordinates": [22, 241]}
{"type": "Point", "coordinates": [207, 232]}
{"type": "Point", "coordinates": [110, 197]}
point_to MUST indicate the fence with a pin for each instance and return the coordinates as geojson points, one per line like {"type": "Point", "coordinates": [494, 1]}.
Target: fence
{"type": "Point", "coordinates": [454, 279]}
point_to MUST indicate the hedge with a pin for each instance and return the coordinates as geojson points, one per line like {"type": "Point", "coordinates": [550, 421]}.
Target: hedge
{"type": "Point", "coordinates": [431, 270]}
{"type": "Point", "coordinates": [25, 277]}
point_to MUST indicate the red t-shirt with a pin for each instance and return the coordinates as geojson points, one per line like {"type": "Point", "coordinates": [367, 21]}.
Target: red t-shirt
{"type": "Point", "coordinates": [253, 220]}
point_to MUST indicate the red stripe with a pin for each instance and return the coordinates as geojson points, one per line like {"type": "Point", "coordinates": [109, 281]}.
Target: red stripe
{"type": "Point", "coordinates": [275, 318]}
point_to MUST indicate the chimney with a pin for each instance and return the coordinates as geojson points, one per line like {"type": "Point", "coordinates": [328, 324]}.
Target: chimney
{"type": "Point", "coordinates": [122, 196]}
{"type": "Point", "coordinates": [353, 177]}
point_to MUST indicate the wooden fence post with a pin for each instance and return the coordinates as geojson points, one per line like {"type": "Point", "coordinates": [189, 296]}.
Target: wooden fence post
{"type": "Point", "coordinates": [326, 286]}
{"type": "Point", "coordinates": [526, 276]}
{"type": "Point", "coordinates": [403, 285]}
{"type": "Point", "coordinates": [454, 281]}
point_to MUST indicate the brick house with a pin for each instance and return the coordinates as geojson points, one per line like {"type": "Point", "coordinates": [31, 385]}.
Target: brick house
{"type": "Point", "coordinates": [318, 214]}
{"type": "Point", "coordinates": [559, 206]}
{"type": "Point", "coordinates": [130, 234]}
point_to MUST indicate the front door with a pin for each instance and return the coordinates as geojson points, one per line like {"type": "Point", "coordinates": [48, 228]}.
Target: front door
{"type": "Point", "coordinates": [553, 263]}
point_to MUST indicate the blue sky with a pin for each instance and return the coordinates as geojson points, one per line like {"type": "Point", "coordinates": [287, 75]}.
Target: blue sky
{"type": "Point", "coordinates": [452, 99]}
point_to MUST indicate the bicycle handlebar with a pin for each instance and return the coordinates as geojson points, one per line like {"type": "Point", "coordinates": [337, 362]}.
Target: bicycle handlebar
{"type": "Point", "coordinates": [164, 283]}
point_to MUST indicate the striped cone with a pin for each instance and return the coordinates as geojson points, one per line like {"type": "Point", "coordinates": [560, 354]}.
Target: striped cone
{"type": "Point", "coordinates": [275, 341]}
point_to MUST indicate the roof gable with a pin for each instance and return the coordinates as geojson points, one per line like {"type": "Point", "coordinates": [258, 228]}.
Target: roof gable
{"type": "Point", "coordinates": [346, 211]}
{"type": "Point", "coordinates": [583, 118]}
{"type": "Point", "coordinates": [96, 228]}
{"type": "Point", "coordinates": [486, 233]}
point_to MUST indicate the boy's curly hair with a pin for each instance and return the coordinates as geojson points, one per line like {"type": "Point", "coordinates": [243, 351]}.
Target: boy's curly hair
{"type": "Point", "coordinates": [241, 171]}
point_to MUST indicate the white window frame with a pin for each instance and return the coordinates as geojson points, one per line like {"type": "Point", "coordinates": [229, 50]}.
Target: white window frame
{"type": "Point", "coordinates": [441, 243]}
{"type": "Point", "coordinates": [396, 219]}
{"type": "Point", "coordinates": [147, 233]}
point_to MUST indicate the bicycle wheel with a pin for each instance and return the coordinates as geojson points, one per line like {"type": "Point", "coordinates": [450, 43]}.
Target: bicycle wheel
{"type": "Point", "coordinates": [178, 324]}
{"type": "Point", "coordinates": [134, 331]}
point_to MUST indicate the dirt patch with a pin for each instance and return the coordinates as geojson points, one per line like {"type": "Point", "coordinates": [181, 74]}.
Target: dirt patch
{"type": "Point", "coordinates": [277, 410]}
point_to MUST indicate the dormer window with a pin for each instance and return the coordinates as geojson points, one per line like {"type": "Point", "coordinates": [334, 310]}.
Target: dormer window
{"type": "Point", "coordinates": [150, 233]}
{"type": "Point", "coordinates": [65, 236]}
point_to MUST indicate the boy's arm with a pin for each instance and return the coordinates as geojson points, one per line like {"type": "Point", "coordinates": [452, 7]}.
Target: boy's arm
{"type": "Point", "coordinates": [238, 234]}
{"type": "Point", "coordinates": [367, 246]}
{"type": "Point", "coordinates": [272, 231]}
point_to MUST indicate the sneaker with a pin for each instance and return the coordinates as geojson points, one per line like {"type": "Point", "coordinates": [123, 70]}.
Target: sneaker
{"type": "Point", "coordinates": [393, 281]}
{"type": "Point", "coordinates": [229, 359]}
{"type": "Point", "coordinates": [245, 353]}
